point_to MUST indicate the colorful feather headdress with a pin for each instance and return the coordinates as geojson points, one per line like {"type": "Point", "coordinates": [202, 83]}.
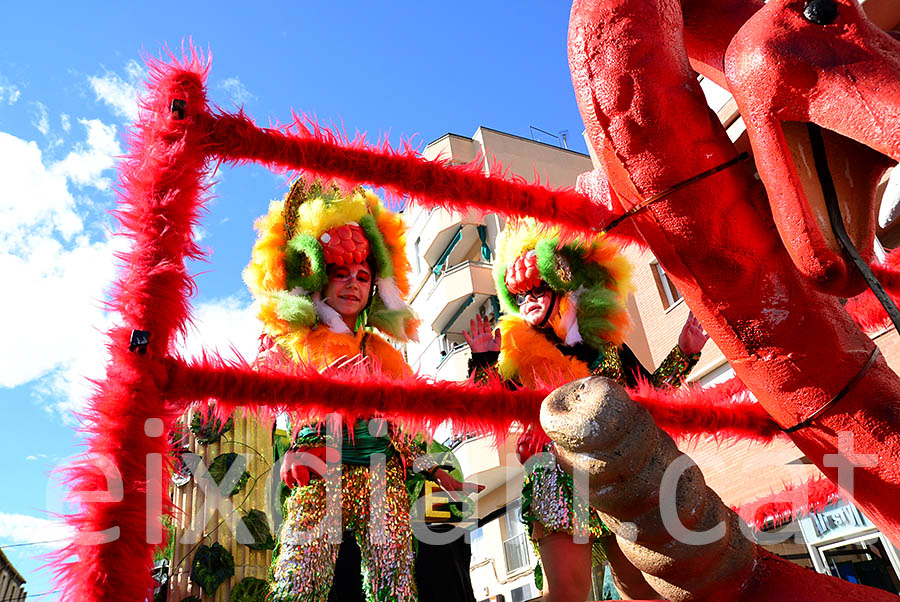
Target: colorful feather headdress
{"type": "Point", "coordinates": [316, 224]}
{"type": "Point", "coordinates": [591, 274]}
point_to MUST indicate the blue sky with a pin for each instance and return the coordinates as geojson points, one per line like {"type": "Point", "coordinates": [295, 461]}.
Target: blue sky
{"type": "Point", "coordinates": [67, 83]}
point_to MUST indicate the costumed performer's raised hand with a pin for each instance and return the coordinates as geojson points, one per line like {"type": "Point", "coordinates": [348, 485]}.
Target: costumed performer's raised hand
{"type": "Point", "coordinates": [692, 337]}
{"type": "Point", "coordinates": [481, 337]}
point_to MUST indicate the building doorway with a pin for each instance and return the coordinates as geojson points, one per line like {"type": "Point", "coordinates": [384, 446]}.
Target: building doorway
{"type": "Point", "coordinates": [867, 560]}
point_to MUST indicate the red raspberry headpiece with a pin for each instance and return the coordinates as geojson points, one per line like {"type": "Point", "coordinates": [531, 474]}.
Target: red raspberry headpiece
{"type": "Point", "coordinates": [345, 245]}
{"type": "Point", "coordinates": [523, 275]}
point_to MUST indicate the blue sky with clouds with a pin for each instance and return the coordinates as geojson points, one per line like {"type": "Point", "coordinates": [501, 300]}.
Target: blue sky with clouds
{"type": "Point", "coordinates": [68, 77]}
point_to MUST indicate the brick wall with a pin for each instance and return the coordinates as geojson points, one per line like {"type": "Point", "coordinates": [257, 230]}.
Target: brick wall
{"type": "Point", "coordinates": [656, 326]}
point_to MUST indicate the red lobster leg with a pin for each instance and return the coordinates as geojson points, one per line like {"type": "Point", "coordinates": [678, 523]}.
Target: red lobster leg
{"type": "Point", "coordinates": [794, 347]}
{"type": "Point", "coordinates": [127, 420]}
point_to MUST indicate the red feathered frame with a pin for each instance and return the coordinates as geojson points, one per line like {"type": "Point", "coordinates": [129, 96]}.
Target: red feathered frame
{"type": "Point", "coordinates": [147, 387]}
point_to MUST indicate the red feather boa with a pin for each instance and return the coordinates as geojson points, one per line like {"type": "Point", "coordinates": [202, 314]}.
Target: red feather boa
{"type": "Point", "coordinates": [308, 146]}
{"type": "Point", "coordinates": [421, 403]}
{"type": "Point", "coordinates": [792, 503]}
{"type": "Point", "coordinates": [724, 410]}
{"type": "Point", "coordinates": [160, 192]}
{"type": "Point", "coordinates": [417, 403]}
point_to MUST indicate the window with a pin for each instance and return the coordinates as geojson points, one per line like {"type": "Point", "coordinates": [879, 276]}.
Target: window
{"type": "Point", "coordinates": [515, 546]}
{"type": "Point", "coordinates": [515, 551]}
{"type": "Point", "coordinates": [524, 593]}
{"type": "Point", "coordinates": [667, 291]}
{"type": "Point", "coordinates": [417, 252]}
{"type": "Point", "coordinates": [513, 516]}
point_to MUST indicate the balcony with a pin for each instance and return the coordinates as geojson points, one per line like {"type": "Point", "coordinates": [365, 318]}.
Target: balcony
{"type": "Point", "coordinates": [453, 298]}
{"type": "Point", "coordinates": [441, 227]}
{"type": "Point", "coordinates": [497, 469]}
{"type": "Point", "coordinates": [454, 364]}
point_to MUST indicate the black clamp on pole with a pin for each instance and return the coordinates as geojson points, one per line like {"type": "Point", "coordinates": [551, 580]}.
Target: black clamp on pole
{"type": "Point", "coordinates": [139, 341]}
{"type": "Point", "coordinates": [178, 107]}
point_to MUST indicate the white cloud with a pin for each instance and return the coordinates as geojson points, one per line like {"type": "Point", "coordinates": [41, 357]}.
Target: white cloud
{"type": "Point", "coordinates": [85, 165]}
{"type": "Point", "coordinates": [236, 90]}
{"type": "Point", "coordinates": [56, 271]}
{"type": "Point", "coordinates": [9, 93]}
{"type": "Point", "coordinates": [33, 198]}
{"type": "Point", "coordinates": [22, 528]}
{"type": "Point", "coordinates": [41, 119]}
{"type": "Point", "coordinates": [65, 123]}
{"type": "Point", "coordinates": [118, 92]}
{"type": "Point", "coordinates": [224, 326]}
{"type": "Point", "coordinates": [58, 268]}
{"type": "Point", "coordinates": [55, 316]}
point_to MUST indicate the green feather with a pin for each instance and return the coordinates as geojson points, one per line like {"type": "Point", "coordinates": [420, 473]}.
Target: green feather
{"type": "Point", "coordinates": [507, 301]}
{"type": "Point", "coordinates": [295, 310]}
{"type": "Point", "coordinates": [392, 322]}
{"type": "Point", "coordinates": [594, 306]}
{"type": "Point", "coordinates": [548, 253]}
{"type": "Point", "coordinates": [379, 247]}
{"type": "Point", "coordinates": [304, 262]}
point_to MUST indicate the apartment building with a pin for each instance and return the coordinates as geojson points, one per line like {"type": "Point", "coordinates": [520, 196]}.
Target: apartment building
{"type": "Point", "coordinates": [12, 584]}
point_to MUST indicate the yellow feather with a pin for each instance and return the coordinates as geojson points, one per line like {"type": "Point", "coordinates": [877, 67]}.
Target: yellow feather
{"type": "Point", "coordinates": [317, 216]}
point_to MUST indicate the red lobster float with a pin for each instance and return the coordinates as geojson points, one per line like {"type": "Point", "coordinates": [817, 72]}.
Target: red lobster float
{"type": "Point", "coordinates": [763, 264]}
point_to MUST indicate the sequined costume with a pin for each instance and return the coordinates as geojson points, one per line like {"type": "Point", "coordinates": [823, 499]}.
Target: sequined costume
{"type": "Point", "coordinates": [303, 568]}
{"type": "Point", "coordinates": [316, 226]}
{"type": "Point", "coordinates": [308, 542]}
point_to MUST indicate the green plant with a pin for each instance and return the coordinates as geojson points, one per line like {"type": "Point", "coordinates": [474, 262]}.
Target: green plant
{"type": "Point", "coordinates": [258, 525]}
{"type": "Point", "coordinates": [250, 589]}
{"type": "Point", "coordinates": [211, 567]}
{"type": "Point", "coordinates": [220, 467]}
{"type": "Point", "coordinates": [207, 428]}
{"type": "Point", "coordinates": [166, 551]}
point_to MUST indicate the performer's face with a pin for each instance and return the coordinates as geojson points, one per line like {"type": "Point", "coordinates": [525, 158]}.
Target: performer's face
{"type": "Point", "coordinates": [347, 291]}
{"type": "Point", "coordinates": [535, 304]}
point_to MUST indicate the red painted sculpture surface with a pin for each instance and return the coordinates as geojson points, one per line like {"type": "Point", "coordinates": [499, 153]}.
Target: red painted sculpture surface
{"type": "Point", "coordinates": [755, 260]}
{"type": "Point", "coordinates": [790, 342]}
